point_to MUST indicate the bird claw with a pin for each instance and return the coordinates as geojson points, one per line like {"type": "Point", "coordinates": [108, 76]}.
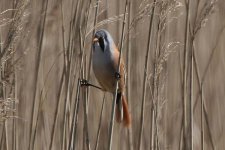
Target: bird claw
{"type": "Point", "coordinates": [117, 75]}
{"type": "Point", "coordinates": [84, 82]}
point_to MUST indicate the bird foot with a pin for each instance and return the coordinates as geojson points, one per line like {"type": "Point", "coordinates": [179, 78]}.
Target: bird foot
{"type": "Point", "coordinates": [84, 82]}
{"type": "Point", "coordinates": [117, 75]}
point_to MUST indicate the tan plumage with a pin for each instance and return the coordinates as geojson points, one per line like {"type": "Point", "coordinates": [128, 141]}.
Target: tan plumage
{"type": "Point", "coordinates": [105, 62]}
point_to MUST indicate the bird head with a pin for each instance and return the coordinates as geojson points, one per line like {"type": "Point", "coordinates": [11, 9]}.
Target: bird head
{"type": "Point", "coordinates": [102, 39]}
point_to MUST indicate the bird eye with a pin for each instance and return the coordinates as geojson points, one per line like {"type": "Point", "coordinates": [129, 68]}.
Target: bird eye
{"type": "Point", "coordinates": [101, 43]}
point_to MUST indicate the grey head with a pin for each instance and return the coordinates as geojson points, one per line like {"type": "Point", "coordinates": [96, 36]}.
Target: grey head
{"type": "Point", "coordinates": [103, 39]}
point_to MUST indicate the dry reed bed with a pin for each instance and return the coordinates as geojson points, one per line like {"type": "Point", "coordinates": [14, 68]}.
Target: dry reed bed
{"type": "Point", "coordinates": [46, 51]}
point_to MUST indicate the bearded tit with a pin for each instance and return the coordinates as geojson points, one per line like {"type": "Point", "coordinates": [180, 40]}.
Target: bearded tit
{"type": "Point", "coordinates": [105, 59]}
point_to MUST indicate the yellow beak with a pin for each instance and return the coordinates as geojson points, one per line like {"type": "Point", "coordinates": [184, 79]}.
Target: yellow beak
{"type": "Point", "coordinates": [95, 40]}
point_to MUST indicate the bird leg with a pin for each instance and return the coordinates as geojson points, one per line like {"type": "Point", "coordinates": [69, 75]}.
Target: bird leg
{"type": "Point", "coordinates": [84, 82]}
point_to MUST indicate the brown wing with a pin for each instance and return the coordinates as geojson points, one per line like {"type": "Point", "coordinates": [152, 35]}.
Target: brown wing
{"type": "Point", "coordinates": [127, 116]}
{"type": "Point", "coordinates": [122, 82]}
{"type": "Point", "coordinates": [122, 70]}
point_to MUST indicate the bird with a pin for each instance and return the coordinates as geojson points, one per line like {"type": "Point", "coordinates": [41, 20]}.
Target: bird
{"type": "Point", "coordinates": [105, 59]}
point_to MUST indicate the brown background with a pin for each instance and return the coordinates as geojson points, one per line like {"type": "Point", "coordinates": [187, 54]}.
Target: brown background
{"type": "Point", "coordinates": [186, 92]}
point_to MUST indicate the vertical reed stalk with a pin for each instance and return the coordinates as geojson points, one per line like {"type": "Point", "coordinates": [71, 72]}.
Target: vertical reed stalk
{"type": "Point", "coordinates": [75, 119]}
{"type": "Point", "coordinates": [201, 83]}
{"type": "Point", "coordinates": [16, 112]}
{"type": "Point", "coordinates": [6, 135]}
{"type": "Point", "coordinates": [156, 88]}
{"type": "Point", "coordinates": [89, 64]}
{"type": "Point", "coordinates": [202, 120]}
{"type": "Point", "coordinates": [85, 104]}
{"type": "Point", "coordinates": [61, 87]}
{"type": "Point", "coordinates": [116, 88]}
{"type": "Point", "coordinates": [191, 94]}
{"type": "Point", "coordinates": [2, 137]}
{"type": "Point", "coordinates": [130, 133]}
{"type": "Point", "coordinates": [41, 36]}
{"type": "Point", "coordinates": [201, 99]}
{"type": "Point", "coordinates": [145, 75]}
{"type": "Point", "coordinates": [68, 68]}
{"type": "Point", "coordinates": [76, 109]}
{"type": "Point", "coordinates": [100, 123]}
{"type": "Point", "coordinates": [59, 93]}
{"type": "Point", "coordinates": [152, 128]}
{"type": "Point", "coordinates": [186, 120]}
{"type": "Point", "coordinates": [95, 22]}
{"type": "Point", "coordinates": [71, 48]}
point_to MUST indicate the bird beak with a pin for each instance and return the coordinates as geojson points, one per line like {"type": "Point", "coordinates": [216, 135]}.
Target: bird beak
{"type": "Point", "coordinates": [95, 40]}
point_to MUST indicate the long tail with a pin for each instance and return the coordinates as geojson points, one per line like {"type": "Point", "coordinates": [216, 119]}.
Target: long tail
{"type": "Point", "coordinates": [122, 112]}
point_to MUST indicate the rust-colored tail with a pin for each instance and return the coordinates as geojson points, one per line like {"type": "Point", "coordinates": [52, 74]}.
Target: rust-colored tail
{"type": "Point", "coordinates": [125, 115]}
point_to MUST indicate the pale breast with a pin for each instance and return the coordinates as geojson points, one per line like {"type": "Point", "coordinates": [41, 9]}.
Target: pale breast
{"type": "Point", "coordinates": [103, 69]}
